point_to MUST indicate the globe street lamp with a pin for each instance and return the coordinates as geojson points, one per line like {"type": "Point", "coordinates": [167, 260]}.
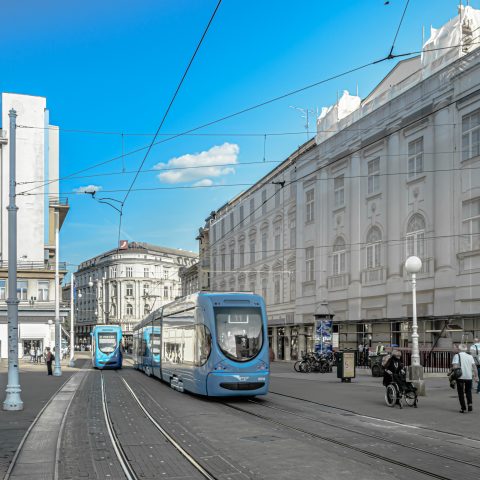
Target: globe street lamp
{"type": "Point", "coordinates": [413, 265]}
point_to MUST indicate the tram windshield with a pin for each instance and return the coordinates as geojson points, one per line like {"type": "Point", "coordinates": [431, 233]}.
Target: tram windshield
{"type": "Point", "coordinates": [107, 342]}
{"type": "Point", "coordinates": [239, 332]}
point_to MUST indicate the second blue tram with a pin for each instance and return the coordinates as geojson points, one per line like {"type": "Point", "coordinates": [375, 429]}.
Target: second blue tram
{"type": "Point", "coordinates": [107, 346]}
{"type": "Point", "coordinates": [210, 343]}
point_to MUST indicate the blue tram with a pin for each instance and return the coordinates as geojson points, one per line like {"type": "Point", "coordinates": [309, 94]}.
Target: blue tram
{"type": "Point", "coordinates": [107, 346]}
{"type": "Point", "coordinates": [212, 344]}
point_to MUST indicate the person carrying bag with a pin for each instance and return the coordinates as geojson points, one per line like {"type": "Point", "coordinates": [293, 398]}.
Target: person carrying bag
{"type": "Point", "coordinates": [463, 371]}
{"type": "Point", "coordinates": [475, 353]}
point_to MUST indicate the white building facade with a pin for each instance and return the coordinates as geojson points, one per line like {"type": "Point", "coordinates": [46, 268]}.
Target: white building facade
{"type": "Point", "coordinates": [123, 286]}
{"type": "Point", "coordinates": [37, 163]}
{"type": "Point", "coordinates": [392, 175]}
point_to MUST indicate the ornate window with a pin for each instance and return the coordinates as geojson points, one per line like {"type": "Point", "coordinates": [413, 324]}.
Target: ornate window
{"type": "Point", "coordinates": [339, 256]}
{"type": "Point", "coordinates": [264, 289]}
{"type": "Point", "coordinates": [129, 290]}
{"type": "Point", "coordinates": [252, 210]}
{"type": "Point", "coordinates": [276, 289]}
{"type": "Point", "coordinates": [264, 201]}
{"type": "Point", "coordinates": [415, 158]}
{"type": "Point", "coordinates": [339, 191]}
{"type": "Point", "coordinates": [264, 244]}
{"type": "Point", "coordinates": [374, 248]}
{"type": "Point", "coordinates": [310, 206]}
{"type": "Point", "coordinates": [309, 264]}
{"type": "Point", "coordinates": [242, 255]}
{"type": "Point", "coordinates": [471, 135]}
{"type": "Point", "coordinates": [146, 309]}
{"type": "Point", "coordinates": [416, 236]}
{"type": "Point", "coordinates": [129, 271]}
{"type": "Point", "coordinates": [252, 249]}
{"type": "Point", "coordinates": [129, 309]}
{"type": "Point", "coordinates": [471, 224]}
{"type": "Point", "coordinates": [373, 176]}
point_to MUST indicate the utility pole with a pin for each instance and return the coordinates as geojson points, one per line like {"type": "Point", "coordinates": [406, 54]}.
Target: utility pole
{"type": "Point", "coordinates": [57, 372]}
{"type": "Point", "coordinates": [13, 400]}
{"type": "Point", "coordinates": [72, 316]}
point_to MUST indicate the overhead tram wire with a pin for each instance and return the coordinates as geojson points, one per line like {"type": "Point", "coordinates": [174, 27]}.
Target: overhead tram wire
{"type": "Point", "coordinates": [245, 110]}
{"type": "Point", "coordinates": [151, 170]}
{"type": "Point", "coordinates": [288, 183]}
{"type": "Point", "coordinates": [390, 55]}
{"type": "Point", "coordinates": [125, 198]}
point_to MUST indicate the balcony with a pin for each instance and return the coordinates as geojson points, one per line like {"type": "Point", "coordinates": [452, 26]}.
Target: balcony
{"type": "Point", "coordinates": [428, 268]}
{"type": "Point", "coordinates": [373, 276]}
{"type": "Point", "coordinates": [338, 282]}
{"type": "Point", "coordinates": [35, 266]}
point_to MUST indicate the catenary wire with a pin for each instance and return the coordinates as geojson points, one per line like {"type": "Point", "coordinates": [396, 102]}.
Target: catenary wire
{"type": "Point", "coordinates": [399, 26]}
{"type": "Point", "coordinates": [248, 109]}
{"type": "Point", "coordinates": [386, 174]}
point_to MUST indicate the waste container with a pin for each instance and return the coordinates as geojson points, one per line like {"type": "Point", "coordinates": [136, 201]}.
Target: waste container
{"type": "Point", "coordinates": [346, 365]}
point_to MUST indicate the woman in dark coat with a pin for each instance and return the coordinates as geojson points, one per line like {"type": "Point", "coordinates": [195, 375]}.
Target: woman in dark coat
{"type": "Point", "coordinates": [394, 369]}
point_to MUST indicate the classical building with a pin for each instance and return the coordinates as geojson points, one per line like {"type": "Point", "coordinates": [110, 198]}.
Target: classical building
{"type": "Point", "coordinates": [388, 176]}
{"type": "Point", "coordinates": [37, 163]}
{"type": "Point", "coordinates": [124, 285]}
{"type": "Point", "coordinates": [189, 279]}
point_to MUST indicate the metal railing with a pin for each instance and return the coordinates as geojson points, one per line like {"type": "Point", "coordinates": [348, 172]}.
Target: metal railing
{"type": "Point", "coordinates": [433, 361]}
{"type": "Point", "coordinates": [60, 201]}
{"type": "Point", "coordinates": [21, 265]}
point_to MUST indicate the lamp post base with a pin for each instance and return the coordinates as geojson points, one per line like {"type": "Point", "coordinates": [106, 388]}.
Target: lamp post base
{"type": "Point", "coordinates": [57, 372]}
{"type": "Point", "coordinates": [12, 401]}
{"type": "Point", "coordinates": [71, 363]}
{"type": "Point", "coordinates": [415, 374]}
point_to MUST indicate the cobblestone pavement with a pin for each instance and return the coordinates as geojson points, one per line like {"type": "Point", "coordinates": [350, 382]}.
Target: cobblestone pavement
{"type": "Point", "coordinates": [37, 389]}
{"type": "Point", "coordinates": [331, 430]}
{"type": "Point", "coordinates": [365, 395]}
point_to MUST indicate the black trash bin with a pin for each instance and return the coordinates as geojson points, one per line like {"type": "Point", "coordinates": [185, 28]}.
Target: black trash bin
{"type": "Point", "coordinates": [346, 363]}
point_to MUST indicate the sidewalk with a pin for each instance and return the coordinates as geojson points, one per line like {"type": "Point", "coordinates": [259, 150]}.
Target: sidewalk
{"type": "Point", "coordinates": [37, 389]}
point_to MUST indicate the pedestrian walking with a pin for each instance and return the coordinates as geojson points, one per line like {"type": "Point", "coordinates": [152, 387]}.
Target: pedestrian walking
{"type": "Point", "coordinates": [32, 354]}
{"type": "Point", "coordinates": [366, 355]}
{"type": "Point", "coordinates": [360, 354]}
{"type": "Point", "coordinates": [465, 362]}
{"type": "Point", "coordinates": [475, 353]}
{"type": "Point", "coordinates": [49, 358]}
{"type": "Point", "coordinates": [39, 355]}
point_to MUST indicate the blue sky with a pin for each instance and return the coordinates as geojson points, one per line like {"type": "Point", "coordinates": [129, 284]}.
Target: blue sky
{"type": "Point", "coordinates": [113, 65]}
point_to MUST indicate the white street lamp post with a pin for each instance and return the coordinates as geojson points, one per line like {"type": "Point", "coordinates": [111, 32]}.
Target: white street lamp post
{"type": "Point", "coordinates": [57, 371]}
{"type": "Point", "coordinates": [72, 316]}
{"type": "Point", "coordinates": [413, 265]}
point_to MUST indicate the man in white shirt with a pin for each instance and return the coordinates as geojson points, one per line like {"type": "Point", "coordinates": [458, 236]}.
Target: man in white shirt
{"type": "Point", "coordinates": [469, 370]}
{"type": "Point", "coordinates": [475, 353]}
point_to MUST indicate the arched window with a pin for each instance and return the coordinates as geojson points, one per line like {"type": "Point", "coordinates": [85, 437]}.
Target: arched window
{"type": "Point", "coordinates": [416, 236]}
{"type": "Point", "coordinates": [339, 256]}
{"type": "Point", "coordinates": [374, 248]}
{"type": "Point", "coordinates": [129, 309]}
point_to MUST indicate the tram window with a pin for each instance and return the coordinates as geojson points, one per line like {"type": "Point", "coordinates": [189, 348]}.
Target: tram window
{"type": "Point", "coordinates": [204, 344]}
{"type": "Point", "coordinates": [107, 342]}
{"type": "Point", "coordinates": [239, 332]}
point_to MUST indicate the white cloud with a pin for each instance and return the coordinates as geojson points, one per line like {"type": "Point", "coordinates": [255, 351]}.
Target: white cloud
{"type": "Point", "coordinates": [211, 163]}
{"type": "Point", "coordinates": [206, 182]}
{"type": "Point", "coordinates": [88, 189]}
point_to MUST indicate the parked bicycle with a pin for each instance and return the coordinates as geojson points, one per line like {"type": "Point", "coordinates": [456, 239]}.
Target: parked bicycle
{"type": "Point", "coordinates": [315, 362]}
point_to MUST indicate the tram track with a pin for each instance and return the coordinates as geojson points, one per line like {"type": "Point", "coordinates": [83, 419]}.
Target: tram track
{"type": "Point", "coordinates": [346, 445]}
{"type": "Point", "coordinates": [362, 415]}
{"type": "Point", "coordinates": [121, 455]}
{"type": "Point", "coordinates": [365, 434]}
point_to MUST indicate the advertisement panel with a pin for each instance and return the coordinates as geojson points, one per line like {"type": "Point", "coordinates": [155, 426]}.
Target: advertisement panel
{"type": "Point", "coordinates": [323, 336]}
